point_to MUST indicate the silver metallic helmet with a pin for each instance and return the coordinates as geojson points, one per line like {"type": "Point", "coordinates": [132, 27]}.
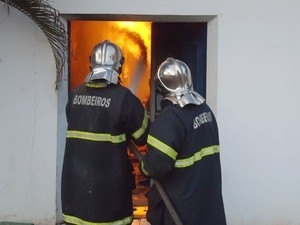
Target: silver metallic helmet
{"type": "Point", "coordinates": [173, 80]}
{"type": "Point", "coordinates": [106, 62]}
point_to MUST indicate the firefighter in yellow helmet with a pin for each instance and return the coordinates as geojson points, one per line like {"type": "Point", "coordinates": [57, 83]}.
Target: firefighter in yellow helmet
{"type": "Point", "coordinates": [103, 116]}
{"type": "Point", "coordinates": [183, 152]}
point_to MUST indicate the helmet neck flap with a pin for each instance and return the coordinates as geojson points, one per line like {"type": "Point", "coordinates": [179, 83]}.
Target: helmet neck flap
{"type": "Point", "coordinates": [103, 72]}
{"type": "Point", "coordinates": [182, 99]}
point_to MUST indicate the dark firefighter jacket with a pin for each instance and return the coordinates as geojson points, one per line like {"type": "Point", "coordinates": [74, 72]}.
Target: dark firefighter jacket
{"type": "Point", "coordinates": [97, 178]}
{"type": "Point", "coordinates": [183, 155]}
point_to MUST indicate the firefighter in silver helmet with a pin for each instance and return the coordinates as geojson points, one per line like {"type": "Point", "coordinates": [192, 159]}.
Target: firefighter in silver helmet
{"type": "Point", "coordinates": [106, 63]}
{"type": "Point", "coordinates": [183, 152]}
{"type": "Point", "coordinates": [103, 116]}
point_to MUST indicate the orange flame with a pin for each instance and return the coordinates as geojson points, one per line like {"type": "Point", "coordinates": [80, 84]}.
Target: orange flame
{"type": "Point", "coordinates": [134, 38]}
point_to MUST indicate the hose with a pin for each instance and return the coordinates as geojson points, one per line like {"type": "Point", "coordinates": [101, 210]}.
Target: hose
{"type": "Point", "coordinates": [159, 187]}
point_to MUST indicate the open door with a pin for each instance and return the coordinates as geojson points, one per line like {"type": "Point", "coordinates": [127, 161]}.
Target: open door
{"type": "Point", "coordinates": [184, 41]}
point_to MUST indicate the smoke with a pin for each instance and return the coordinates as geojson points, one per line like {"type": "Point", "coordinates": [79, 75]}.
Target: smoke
{"type": "Point", "coordinates": [137, 39]}
{"type": "Point", "coordinates": [139, 71]}
{"type": "Point", "coordinates": [141, 58]}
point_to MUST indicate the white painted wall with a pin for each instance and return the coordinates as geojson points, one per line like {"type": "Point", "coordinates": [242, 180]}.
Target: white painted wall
{"type": "Point", "coordinates": [28, 122]}
{"type": "Point", "coordinates": [255, 57]}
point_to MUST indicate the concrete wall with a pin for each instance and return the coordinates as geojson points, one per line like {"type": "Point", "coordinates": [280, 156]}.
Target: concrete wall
{"type": "Point", "coordinates": [28, 122]}
{"type": "Point", "coordinates": [253, 86]}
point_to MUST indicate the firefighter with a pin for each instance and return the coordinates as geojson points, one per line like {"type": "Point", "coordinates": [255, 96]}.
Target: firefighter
{"type": "Point", "coordinates": [183, 153]}
{"type": "Point", "coordinates": [103, 116]}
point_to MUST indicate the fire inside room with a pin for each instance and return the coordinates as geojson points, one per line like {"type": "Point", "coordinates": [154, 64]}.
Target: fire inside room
{"type": "Point", "coordinates": [144, 45]}
{"type": "Point", "coordinates": [134, 40]}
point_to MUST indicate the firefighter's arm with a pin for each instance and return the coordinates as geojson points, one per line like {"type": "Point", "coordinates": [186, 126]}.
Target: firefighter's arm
{"type": "Point", "coordinates": [139, 137]}
{"type": "Point", "coordinates": [67, 111]}
{"type": "Point", "coordinates": [156, 163]}
{"type": "Point", "coordinates": [163, 143]}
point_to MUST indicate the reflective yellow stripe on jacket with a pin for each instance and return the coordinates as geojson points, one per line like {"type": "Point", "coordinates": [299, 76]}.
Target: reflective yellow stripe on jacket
{"type": "Point", "coordinates": [108, 137]}
{"type": "Point", "coordinates": [75, 220]}
{"type": "Point", "coordinates": [166, 149]}
{"type": "Point", "coordinates": [181, 163]}
{"type": "Point", "coordinates": [96, 136]}
{"type": "Point", "coordinates": [137, 134]}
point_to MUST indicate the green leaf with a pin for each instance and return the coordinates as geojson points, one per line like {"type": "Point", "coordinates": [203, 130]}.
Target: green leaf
{"type": "Point", "coordinates": [48, 20]}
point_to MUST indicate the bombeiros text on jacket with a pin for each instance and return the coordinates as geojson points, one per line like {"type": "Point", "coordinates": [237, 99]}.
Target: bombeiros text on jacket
{"type": "Point", "coordinates": [201, 119]}
{"type": "Point", "coordinates": [91, 100]}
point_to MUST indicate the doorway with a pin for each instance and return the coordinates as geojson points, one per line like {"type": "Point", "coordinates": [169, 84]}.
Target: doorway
{"type": "Point", "coordinates": [183, 41]}
{"type": "Point", "coordinates": [145, 45]}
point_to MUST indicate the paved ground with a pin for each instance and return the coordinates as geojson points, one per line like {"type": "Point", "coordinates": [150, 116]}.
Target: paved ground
{"type": "Point", "coordinates": [140, 222]}
{"type": "Point", "coordinates": [135, 222]}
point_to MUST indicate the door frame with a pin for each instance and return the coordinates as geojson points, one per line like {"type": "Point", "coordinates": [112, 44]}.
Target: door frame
{"type": "Point", "coordinates": [211, 73]}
